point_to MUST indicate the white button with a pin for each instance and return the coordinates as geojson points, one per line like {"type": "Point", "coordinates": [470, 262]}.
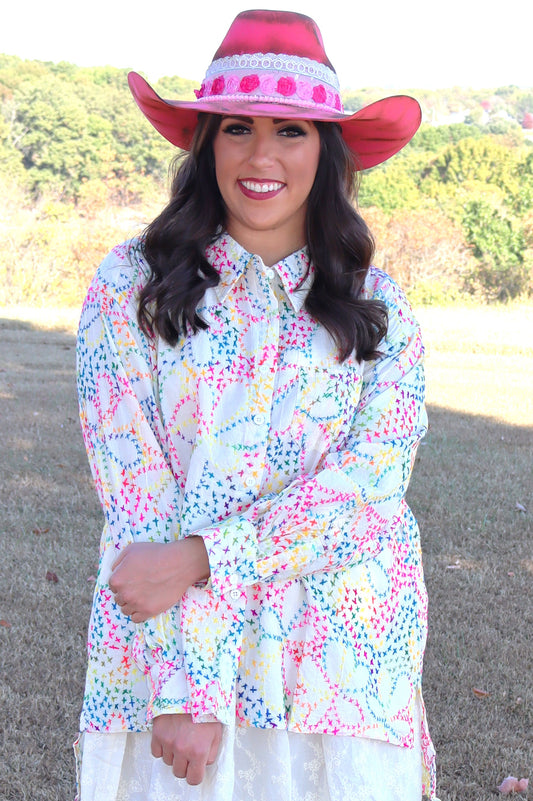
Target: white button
{"type": "Point", "coordinates": [249, 481]}
{"type": "Point", "coordinates": [235, 594]}
{"type": "Point", "coordinates": [259, 419]}
{"type": "Point", "coordinates": [270, 273]}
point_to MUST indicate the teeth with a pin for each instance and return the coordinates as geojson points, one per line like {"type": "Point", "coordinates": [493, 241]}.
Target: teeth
{"type": "Point", "coordinates": [252, 186]}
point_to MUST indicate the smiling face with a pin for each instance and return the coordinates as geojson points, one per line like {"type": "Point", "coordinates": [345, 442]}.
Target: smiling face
{"type": "Point", "coordinates": [265, 169]}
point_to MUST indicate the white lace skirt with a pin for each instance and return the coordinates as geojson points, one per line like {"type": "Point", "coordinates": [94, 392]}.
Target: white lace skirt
{"type": "Point", "coordinates": [255, 765]}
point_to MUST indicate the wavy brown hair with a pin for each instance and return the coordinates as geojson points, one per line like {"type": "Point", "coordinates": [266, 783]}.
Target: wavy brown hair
{"type": "Point", "coordinates": [339, 242]}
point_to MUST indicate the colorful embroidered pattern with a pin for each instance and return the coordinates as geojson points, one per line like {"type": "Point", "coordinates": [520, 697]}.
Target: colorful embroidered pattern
{"type": "Point", "coordinates": [293, 467]}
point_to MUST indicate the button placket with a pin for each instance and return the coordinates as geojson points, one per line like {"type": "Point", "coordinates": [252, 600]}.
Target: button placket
{"type": "Point", "coordinates": [235, 592]}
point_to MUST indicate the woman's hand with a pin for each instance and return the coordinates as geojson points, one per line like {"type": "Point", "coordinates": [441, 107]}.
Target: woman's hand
{"type": "Point", "coordinates": [187, 746]}
{"type": "Point", "coordinates": [149, 577]}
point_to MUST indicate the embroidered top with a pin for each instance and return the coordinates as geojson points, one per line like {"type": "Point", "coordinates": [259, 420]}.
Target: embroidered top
{"type": "Point", "coordinates": [293, 467]}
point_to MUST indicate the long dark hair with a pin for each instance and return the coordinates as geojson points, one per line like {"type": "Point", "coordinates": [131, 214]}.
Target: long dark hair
{"type": "Point", "coordinates": [340, 247]}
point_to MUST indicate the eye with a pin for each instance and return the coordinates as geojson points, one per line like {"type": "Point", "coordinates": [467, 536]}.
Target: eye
{"type": "Point", "coordinates": [236, 129]}
{"type": "Point", "coordinates": [292, 131]}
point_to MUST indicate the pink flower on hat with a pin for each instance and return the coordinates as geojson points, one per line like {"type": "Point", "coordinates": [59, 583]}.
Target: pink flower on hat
{"type": "Point", "coordinates": [232, 84]}
{"type": "Point", "coordinates": [286, 86]}
{"type": "Point", "coordinates": [218, 85]}
{"type": "Point", "coordinates": [206, 88]}
{"type": "Point", "coordinates": [200, 92]}
{"type": "Point", "coordinates": [319, 94]}
{"type": "Point", "coordinates": [249, 83]}
{"type": "Point", "coordinates": [304, 90]}
{"type": "Point", "coordinates": [268, 84]}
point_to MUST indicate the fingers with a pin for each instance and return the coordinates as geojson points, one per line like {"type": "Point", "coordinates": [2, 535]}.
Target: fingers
{"type": "Point", "coordinates": [137, 617]}
{"type": "Point", "coordinates": [156, 748]}
{"type": "Point", "coordinates": [192, 772]}
{"type": "Point", "coordinates": [195, 772]}
{"type": "Point", "coordinates": [129, 610]}
{"type": "Point", "coordinates": [175, 760]}
{"type": "Point", "coordinates": [119, 558]}
{"type": "Point", "coordinates": [186, 746]}
{"type": "Point", "coordinates": [114, 585]}
{"type": "Point", "coordinates": [215, 746]}
{"type": "Point", "coordinates": [125, 607]}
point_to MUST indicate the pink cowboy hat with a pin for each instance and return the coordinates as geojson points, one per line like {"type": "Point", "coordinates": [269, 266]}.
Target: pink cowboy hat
{"type": "Point", "coordinates": [273, 63]}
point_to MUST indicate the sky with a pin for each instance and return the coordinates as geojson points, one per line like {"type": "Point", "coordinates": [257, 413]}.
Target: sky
{"type": "Point", "coordinates": [395, 44]}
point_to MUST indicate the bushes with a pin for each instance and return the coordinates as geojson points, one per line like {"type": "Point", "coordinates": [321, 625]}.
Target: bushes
{"type": "Point", "coordinates": [49, 250]}
{"type": "Point", "coordinates": [424, 251]}
{"type": "Point", "coordinates": [462, 215]}
{"type": "Point", "coordinates": [498, 245]}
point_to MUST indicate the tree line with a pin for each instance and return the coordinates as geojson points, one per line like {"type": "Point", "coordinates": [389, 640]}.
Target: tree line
{"type": "Point", "coordinates": [452, 214]}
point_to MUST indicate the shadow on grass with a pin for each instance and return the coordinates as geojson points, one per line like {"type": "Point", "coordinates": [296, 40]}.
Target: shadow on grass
{"type": "Point", "coordinates": [472, 492]}
{"type": "Point", "coordinates": [470, 475]}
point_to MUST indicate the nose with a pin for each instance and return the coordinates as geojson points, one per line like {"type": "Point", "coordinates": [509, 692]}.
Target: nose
{"type": "Point", "coordinates": [262, 150]}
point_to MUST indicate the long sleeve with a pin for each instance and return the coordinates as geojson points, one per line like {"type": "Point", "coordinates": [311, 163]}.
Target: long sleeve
{"type": "Point", "coordinates": [125, 441]}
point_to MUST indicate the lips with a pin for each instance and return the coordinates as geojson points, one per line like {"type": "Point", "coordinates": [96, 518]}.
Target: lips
{"type": "Point", "coordinates": [260, 189]}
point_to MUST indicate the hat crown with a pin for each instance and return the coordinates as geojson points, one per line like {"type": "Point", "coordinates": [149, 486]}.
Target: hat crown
{"type": "Point", "coordinates": [280, 32]}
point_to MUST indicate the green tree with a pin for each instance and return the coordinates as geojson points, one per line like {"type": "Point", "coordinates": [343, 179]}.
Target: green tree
{"type": "Point", "coordinates": [176, 88]}
{"type": "Point", "coordinates": [522, 199]}
{"type": "Point", "coordinates": [433, 138]}
{"type": "Point", "coordinates": [482, 159]}
{"type": "Point", "coordinates": [11, 166]}
{"type": "Point", "coordinates": [51, 125]}
{"type": "Point", "coordinates": [394, 186]}
{"type": "Point", "coordinates": [498, 244]}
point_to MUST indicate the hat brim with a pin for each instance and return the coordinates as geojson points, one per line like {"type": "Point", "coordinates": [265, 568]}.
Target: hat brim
{"type": "Point", "coordinates": [373, 134]}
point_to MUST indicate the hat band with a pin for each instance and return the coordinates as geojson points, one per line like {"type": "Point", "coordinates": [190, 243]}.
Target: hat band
{"type": "Point", "coordinates": [273, 78]}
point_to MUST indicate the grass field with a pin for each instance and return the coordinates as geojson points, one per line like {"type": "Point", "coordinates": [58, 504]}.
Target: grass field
{"type": "Point", "coordinates": [472, 492]}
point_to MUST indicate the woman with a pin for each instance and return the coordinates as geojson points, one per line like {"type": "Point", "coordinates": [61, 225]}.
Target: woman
{"type": "Point", "coordinates": [251, 397]}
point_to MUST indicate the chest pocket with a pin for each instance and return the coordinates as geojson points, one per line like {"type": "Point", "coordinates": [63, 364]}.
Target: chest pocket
{"type": "Point", "coordinates": [316, 403]}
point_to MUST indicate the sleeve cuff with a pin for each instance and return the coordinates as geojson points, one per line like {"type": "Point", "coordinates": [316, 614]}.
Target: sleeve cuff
{"type": "Point", "coordinates": [169, 693]}
{"type": "Point", "coordinates": [232, 552]}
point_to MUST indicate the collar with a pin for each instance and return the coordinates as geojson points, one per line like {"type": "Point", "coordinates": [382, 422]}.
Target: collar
{"type": "Point", "coordinates": [231, 260]}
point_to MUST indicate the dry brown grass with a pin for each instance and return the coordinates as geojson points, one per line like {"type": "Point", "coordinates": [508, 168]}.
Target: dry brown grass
{"type": "Point", "coordinates": [49, 522]}
{"type": "Point", "coordinates": [473, 469]}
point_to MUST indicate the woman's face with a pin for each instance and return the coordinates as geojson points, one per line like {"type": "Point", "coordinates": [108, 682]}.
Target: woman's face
{"type": "Point", "coordinates": [265, 169]}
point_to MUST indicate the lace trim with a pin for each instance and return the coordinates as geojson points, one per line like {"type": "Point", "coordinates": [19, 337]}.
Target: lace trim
{"type": "Point", "coordinates": [277, 62]}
